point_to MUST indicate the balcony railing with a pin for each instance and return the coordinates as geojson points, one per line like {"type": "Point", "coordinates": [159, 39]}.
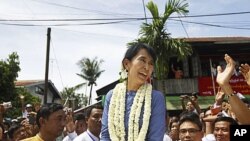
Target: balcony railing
{"type": "Point", "coordinates": [177, 86]}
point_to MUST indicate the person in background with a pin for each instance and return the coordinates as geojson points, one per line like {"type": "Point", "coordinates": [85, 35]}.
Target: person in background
{"type": "Point", "coordinates": [79, 126]}
{"type": "Point", "coordinates": [190, 127]}
{"type": "Point", "coordinates": [222, 128]}
{"type": "Point", "coordinates": [51, 120]}
{"type": "Point", "coordinates": [208, 120]}
{"type": "Point", "coordinates": [192, 103]}
{"type": "Point", "coordinates": [178, 73]}
{"type": "Point", "coordinates": [238, 107]}
{"type": "Point", "coordinates": [245, 71]}
{"type": "Point", "coordinates": [28, 109]}
{"type": "Point", "coordinates": [214, 70]}
{"type": "Point", "coordinates": [1, 122]}
{"type": "Point", "coordinates": [132, 110]}
{"type": "Point", "coordinates": [174, 129]}
{"type": "Point", "coordinates": [37, 106]}
{"type": "Point", "coordinates": [93, 116]}
{"type": "Point", "coordinates": [19, 131]}
{"type": "Point", "coordinates": [166, 136]}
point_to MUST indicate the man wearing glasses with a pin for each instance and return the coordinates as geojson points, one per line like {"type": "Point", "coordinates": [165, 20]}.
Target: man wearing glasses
{"type": "Point", "coordinates": [190, 127]}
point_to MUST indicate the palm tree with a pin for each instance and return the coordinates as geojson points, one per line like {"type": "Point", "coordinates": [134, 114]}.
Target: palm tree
{"type": "Point", "coordinates": [155, 35]}
{"type": "Point", "coordinates": [67, 93]}
{"type": "Point", "coordinates": [90, 71]}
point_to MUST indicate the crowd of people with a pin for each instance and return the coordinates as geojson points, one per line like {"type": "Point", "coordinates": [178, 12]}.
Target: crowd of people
{"type": "Point", "coordinates": [133, 111]}
{"type": "Point", "coordinates": [213, 123]}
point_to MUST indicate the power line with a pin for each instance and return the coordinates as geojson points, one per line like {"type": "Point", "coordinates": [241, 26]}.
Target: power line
{"type": "Point", "coordinates": [117, 22]}
{"type": "Point", "coordinates": [112, 13]}
{"type": "Point", "coordinates": [213, 25]}
{"type": "Point", "coordinates": [120, 20]}
{"type": "Point", "coordinates": [78, 24]}
{"type": "Point", "coordinates": [57, 63]}
{"type": "Point", "coordinates": [218, 14]}
{"type": "Point", "coordinates": [77, 8]}
{"type": "Point", "coordinates": [136, 18]}
{"type": "Point", "coordinates": [52, 20]}
{"type": "Point", "coordinates": [183, 27]}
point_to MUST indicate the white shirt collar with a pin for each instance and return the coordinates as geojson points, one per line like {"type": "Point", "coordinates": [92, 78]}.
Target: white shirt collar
{"type": "Point", "coordinates": [92, 136]}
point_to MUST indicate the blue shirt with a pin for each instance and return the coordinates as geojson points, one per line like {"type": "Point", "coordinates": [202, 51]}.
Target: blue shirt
{"type": "Point", "coordinates": [157, 124]}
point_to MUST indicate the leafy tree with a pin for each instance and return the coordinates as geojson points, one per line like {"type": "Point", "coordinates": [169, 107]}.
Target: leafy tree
{"type": "Point", "coordinates": [8, 73]}
{"type": "Point", "coordinates": [9, 69]}
{"type": "Point", "coordinates": [155, 35]}
{"type": "Point", "coordinates": [90, 71]}
{"type": "Point", "coordinates": [16, 109]}
{"type": "Point", "coordinates": [69, 93]}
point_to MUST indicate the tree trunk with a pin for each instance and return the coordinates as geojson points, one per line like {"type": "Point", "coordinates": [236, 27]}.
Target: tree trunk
{"type": "Point", "coordinates": [90, 93]}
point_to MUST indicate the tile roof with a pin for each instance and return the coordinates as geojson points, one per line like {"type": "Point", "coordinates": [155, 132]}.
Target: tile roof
{"type": "Point", "coordinates": [26, 82]}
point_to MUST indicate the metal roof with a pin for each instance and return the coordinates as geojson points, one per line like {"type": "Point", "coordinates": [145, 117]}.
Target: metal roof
{"type": "Point", "coordinates": [28, 83]}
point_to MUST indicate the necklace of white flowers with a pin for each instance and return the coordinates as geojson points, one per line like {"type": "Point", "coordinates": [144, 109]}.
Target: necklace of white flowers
{"type": "Point", "coordinates": [117, 111]}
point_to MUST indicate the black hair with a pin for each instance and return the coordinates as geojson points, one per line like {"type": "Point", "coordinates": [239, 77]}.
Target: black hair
{"type": "Point", "coordinates": [46, 110]}
{"type": "Point", "coordinates": [227, 119]}
{"type": "Point", "coordinates": [79, 116]}
{"type": "Point", "coordinates": [195, 94]}
{"type": "Point", "coordinates": [172, 121]}
{"type": "Point", "coordinates": [89, 110]}
{"type": "Point", "coordinates": [191, 117]}
{"type": "Point", "coordinates": [13, 128]}
{"type": "Point", "coordinates": [3, 130]}
{"type": "Point", "coordinates": [134, 49]}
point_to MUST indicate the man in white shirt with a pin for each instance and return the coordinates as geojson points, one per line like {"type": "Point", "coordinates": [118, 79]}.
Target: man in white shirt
{"type": "Point", "coordinates": [94, 116]}
{"type": "Point", "coordinates": [80, 126]}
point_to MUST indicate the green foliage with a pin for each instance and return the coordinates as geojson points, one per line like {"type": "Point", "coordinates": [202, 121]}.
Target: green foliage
{"type": "Point", "coordinates": [90, 71]}
{"type": "Point", "coordinates": [16, 109]}
{"type": "Point", "coordinates": [81, 100]}
{"type": "Point", "coordinates": [8, 73]}
{"type": "Point", "coordinates": [155, 35]}
{"type": "Point", "coordinates": [9, 69]}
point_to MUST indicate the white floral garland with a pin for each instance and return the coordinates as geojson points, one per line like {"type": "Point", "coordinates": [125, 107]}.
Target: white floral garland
{"type": "Point", "coordinates": [117, 110]}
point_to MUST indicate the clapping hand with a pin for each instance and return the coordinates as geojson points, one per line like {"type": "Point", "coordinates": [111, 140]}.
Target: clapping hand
{"type": "Point", "coordinates": [245, 71]}
{"type": "Point", "coordinates": [223, 77]}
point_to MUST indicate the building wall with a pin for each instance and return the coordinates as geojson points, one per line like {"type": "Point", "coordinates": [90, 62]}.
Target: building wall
{"type": "Point", "coordinates": [34, 90]}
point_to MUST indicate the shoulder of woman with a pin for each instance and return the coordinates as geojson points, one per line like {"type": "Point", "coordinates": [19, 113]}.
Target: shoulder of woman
{"type": "Point", "coordinates": [157, 95]}
{"type": "Point", "coordinates": [109, 94]}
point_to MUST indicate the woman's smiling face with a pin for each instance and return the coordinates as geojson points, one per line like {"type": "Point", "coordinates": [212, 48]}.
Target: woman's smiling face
{"type": "Point", "coordinates": [139, 68]}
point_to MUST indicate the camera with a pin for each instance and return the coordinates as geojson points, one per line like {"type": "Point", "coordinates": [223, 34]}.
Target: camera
{"type": "Point", "coordinates": [7, 105]}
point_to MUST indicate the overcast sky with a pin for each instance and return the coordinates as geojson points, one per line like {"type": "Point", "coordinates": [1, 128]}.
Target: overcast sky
{"type": "Point", "coordinates": [75, 40]}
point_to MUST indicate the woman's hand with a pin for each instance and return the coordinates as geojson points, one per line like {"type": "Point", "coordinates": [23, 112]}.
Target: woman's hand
{"type": "Point", "coordinates": [245, 71]}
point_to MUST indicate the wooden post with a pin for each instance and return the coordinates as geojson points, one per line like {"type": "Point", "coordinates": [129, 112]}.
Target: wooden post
{"type": "Point", "coordinates": [47, 67]}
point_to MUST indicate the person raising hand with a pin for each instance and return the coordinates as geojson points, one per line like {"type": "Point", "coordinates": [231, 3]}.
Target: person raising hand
{"type": "Point", "coordinates": [237, 105]}
{"type": "Point", "coordinates": [245, 71]}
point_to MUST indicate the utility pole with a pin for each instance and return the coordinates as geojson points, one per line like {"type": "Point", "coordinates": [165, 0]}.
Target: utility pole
{"type": "Point", "coordinates": [47, 67]}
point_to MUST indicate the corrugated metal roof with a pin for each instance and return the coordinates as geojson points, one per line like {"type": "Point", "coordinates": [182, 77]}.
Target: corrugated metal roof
{"type": "Point", "coordinates": [216, 39]}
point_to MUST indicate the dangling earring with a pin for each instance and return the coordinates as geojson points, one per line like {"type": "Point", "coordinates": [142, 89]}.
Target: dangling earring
{"type": "Point", "coordinates": [124, 74]}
